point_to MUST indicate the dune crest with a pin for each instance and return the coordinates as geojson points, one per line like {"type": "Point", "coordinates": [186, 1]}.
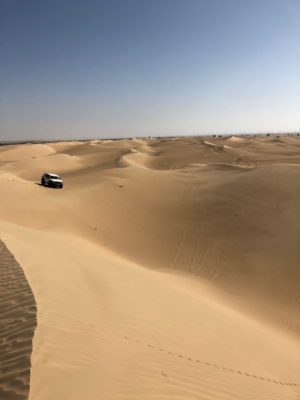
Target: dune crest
{"type": "Point", "coordinates": [17, 325]}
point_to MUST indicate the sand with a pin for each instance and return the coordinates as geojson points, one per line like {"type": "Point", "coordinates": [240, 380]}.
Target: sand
{"type": "Point", "coordinates": [17, 325]}
{"type": "Point", "coordinates": [165, 268]}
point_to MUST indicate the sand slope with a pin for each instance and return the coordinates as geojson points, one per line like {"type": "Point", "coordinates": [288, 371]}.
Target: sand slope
{"type": "Point", "coordinates": [165, 269]}
{"type": "Point", "coordinates": [17, 324]}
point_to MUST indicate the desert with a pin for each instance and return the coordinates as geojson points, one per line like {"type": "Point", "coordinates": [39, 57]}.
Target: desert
{"type": "Point", "coordinates": [166, 268]}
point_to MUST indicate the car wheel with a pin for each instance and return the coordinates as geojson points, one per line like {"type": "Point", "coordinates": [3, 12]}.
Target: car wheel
{"type": "Point", "coordinates": [43, 181]}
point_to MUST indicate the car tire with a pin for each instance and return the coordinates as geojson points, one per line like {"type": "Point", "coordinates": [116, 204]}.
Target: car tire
{"type": "Point", "coordinates": [43, 181]}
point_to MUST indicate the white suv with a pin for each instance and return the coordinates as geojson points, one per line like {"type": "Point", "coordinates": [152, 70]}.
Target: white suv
{"type": "Point", "coordinates": [52, 180]}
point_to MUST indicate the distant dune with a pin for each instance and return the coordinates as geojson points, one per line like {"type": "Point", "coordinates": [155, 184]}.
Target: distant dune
{"type": "Point", "coordinates": [165, 268]}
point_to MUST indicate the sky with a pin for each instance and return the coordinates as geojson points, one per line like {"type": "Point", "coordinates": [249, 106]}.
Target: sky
{"type": "Point", "coordinates": [73, 69]}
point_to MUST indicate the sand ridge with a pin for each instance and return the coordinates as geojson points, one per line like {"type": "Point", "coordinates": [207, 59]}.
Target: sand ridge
{"type": "Point", "coordinates": [17, 325]}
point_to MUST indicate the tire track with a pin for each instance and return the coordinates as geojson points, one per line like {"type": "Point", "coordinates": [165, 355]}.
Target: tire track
{"type": "Point", "coordinates": [180, 246]}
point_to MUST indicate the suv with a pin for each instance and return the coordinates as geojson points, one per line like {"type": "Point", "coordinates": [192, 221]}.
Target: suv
{"type": "Point", "coordinates": [52, 180]}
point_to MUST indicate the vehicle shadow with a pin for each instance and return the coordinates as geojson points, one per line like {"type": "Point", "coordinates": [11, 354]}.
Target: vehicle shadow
{"type": "Point", "coordinates": [44, 186]}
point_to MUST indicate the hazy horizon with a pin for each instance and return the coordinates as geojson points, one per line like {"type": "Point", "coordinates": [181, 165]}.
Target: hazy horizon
{"type": "Point", "coordinates": [73, 70]}
{"type": "Point", "coordinates": [93, 138]}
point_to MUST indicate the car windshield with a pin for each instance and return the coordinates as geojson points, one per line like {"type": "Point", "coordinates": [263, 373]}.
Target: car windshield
{"type": "Point", "coordinates": [54, 177]}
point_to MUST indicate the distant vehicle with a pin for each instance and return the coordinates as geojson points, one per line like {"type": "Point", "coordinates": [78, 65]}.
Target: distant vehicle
{"type": "Point", "coordinates": [52, 180]}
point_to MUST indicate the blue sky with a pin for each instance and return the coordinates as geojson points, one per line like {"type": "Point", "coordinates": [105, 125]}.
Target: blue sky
{"type": "Point", "coordinates": [119, 68]}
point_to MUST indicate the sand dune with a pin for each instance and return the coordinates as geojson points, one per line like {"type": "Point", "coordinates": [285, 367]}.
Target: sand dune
{"type": "Point", "coordinates": [17, 324]}
{"type": "Point", "coordinates": [166, 268]}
